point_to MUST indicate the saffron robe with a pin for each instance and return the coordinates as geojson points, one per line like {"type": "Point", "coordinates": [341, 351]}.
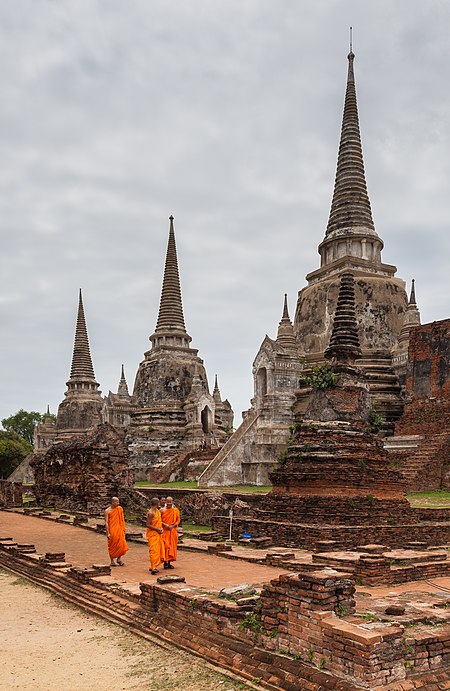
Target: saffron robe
{"type": "Point", "coordinates": [170, 535]}
{"type": "Point", "coordinates": [117, 545]}
{"type": "Point", "coordinates": [155, 542]}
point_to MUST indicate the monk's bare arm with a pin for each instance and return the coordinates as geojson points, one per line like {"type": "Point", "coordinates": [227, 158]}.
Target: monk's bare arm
{"type": "Point", "coordinates": [150, 515]}
{"type": "Point", "coordinates": [108, 534]}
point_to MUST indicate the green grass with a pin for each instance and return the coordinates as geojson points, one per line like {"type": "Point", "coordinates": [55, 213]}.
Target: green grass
{"type": "Point", "coordinates": [194, 528]}
{"type": "Point", "coordinates": [193, 485]}
{"type": "Point", "coordinates": [168, 485]}
{"type": "Point", "coordinates": [439, 498]}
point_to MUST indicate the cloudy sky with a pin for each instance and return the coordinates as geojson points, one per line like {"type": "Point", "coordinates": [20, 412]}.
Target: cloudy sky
{"type": "Point", "coordinates": [116, 113]}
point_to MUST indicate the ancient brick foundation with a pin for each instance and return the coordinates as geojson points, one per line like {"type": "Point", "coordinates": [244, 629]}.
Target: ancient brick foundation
{"type": "Point", "coordinates": [301, 637]}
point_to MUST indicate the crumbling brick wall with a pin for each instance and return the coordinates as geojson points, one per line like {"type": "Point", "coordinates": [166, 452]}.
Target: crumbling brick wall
{"type": "Point", "coordinates": [428, 369]}
{"type": "Point", "coordinates": [10, 493]}
{"type": "Point", "coordinates": [83, 474]}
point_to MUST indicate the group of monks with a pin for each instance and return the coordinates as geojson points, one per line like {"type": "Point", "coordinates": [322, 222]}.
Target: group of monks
{"type": "Point", "coordinates": [162, 522]}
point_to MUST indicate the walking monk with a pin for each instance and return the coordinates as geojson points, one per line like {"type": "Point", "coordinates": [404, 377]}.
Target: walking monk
{"type": "Point", "coordinates": [115, 532]}
{"type": "Point", "coordinates": [154, 536]}
{"type": "Point", "coordinates": [170, 522]}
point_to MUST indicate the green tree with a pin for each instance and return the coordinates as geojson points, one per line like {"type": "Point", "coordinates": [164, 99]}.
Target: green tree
{"type": "Point", "coordinates": [13, 450]}
{"type": "Point", "coordinates": [22, 423]}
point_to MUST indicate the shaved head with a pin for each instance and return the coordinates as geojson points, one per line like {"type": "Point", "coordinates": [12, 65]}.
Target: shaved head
{"type": "Point", "coordinates": [154, 501]}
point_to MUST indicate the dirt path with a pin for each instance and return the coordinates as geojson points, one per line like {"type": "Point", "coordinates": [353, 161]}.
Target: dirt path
{"type": "Point", "coordinates": [84, 548]}
{"type": "Point", "coordinates": [49, 645]}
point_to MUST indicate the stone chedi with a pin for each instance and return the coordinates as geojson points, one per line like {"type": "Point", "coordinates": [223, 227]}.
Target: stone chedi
{"type": "Point", "coordinates": [334, 480]}
{"type": "Point", "coordinates": [81, 410]}
{"type": "Point", "coordinates": [351, 244]}
{"type": "Point", "coordinates": [175, 411]}
{"type": "Point", "coordinates": [171, 409]}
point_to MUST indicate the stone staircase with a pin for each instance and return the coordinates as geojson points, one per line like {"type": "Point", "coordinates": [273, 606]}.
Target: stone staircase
{"type": "Point", "coordinates": [211, 475]}
{"type": "Point", "coordinates": [422, 467]}
{"type": "Point", "coordinates": [384, 387]}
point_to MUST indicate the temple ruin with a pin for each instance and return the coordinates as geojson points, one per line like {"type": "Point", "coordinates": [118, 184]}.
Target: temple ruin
{"type": "Point", "coordinates": [384, 314]}
{"type": "Point", "coordinates": [171, 412]}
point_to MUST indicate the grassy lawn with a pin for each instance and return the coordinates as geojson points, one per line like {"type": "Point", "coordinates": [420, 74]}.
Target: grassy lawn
{"type": "Point", "coordinates": [194, 528]}
{"type": "Point", "coordinates": [435, 499]}
{"type": "Point", "coordinates": [193, 485]}
{"type": "Point", "coordinates": [167, 485]}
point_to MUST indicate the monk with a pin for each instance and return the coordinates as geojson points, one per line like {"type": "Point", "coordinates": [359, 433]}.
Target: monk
{"type": "Point", "coordinates": [115, 532]}
{"type": "Point", "coordinates": [154, 536]}
{"type": "Point", "coordinates": [170, 523]}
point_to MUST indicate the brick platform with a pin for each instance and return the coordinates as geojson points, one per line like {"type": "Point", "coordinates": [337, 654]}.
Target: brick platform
{"type": "Point", "coordinates": [308, 633]}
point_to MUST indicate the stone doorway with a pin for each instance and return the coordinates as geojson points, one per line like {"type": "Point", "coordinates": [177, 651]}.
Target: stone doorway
{"type": "Point", "coordinates": [261, 383]}
{"type": "Point", "coordinates": [206, 420]}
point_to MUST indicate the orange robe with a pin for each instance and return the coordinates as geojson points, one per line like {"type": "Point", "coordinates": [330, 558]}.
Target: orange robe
{"type": "Point", "coordinates": [117, 545]}
{"type": "Point", "coordinates": [155, 542]}
{"type": "Point", "coordinates": [170, 535]}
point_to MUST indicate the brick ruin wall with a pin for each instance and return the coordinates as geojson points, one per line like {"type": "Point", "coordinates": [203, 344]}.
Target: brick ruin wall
{"type": "Point", "coordinates": [343, 536]}
{"type": "Point", "coordinates": [10, 493]}
{"type": "Point", "coordinates": [299, 636]}
{"type": "Point", "coordinates": [84, 473]}
{"type": "Point", "coordinates": [428, 411]}
{"type": "Point", "coordinates": [427, 381]}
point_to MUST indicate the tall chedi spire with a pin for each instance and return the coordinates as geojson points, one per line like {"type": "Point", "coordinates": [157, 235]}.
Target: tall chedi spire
{"type": "Point", "coordinates": [170, 327]}
{"type": "Point", "coordinates": [350, 230]}
{"type": "Point", "coordinates": [81, 407]}
{"type": "Point", "coordinates": [81, 372]}
{"type": "Point", "coordinates": [351, 244]}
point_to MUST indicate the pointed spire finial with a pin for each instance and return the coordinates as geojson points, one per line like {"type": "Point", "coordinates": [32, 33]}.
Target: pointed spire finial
{"type": "Point", "coordinates": [82, 379]}
{"type": "Point", "coordinates": [285, 335]}
{"type": "Point", "coordinates": [285, 308]}
{"type": "Point", "coordinates": [170, 327]}
{"type": "Point", "coordinates": [351, 41]}
{"type": "Point", "coordinates": [412, 297]}
{"type": "Point", "coordinates": [122, 389]}
{"type": "Point", "coordinates": [216, 392]}
{"type": "Point", "coordinates": [81, 359]}
{"type": "Point", "coordinates": [350, 207]}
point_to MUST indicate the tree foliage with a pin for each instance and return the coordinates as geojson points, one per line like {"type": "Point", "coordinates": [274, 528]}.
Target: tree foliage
{"type": "Point", "coordinates": [13, 450]}
{"type": "Point", "coordinates": [23, 423]}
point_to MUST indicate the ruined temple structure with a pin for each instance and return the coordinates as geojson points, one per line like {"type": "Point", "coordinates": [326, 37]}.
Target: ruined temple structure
{"type": "Point", "coordinates": [83, 473]}
{"type": "Point", "coordinates": [117, 407]}
{"type": "Point", "coordinates": [420, 447]}
{"type": "Point", "coordinates": [335, 487]}
{"type": "Point", "coordinates": [175, 411]}
{"type": "Point", "coordinates": [384, 316]}
{"type": "Point", "coordinates": [171, 410]}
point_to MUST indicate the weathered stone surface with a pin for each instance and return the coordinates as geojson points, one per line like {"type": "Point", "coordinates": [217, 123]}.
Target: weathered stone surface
{"type": "Point", "coordinates": [83, 474]}
{"type": "Point", "coordinates": [238, 591]}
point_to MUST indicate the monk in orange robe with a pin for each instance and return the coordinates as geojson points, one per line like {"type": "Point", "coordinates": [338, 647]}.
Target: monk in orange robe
{"type": "Point", "coordinates": [170, 522]}
{"type": "Point", "coordinates": [115, 532]}
{"type": "Point", "coordinates": [154, 536]}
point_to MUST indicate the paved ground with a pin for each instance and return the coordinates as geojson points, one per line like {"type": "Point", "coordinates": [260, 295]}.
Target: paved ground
{"type": "Point", "coordinates": [48, 645]}
{"type": "Point", "coordinates": [84, 548]}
